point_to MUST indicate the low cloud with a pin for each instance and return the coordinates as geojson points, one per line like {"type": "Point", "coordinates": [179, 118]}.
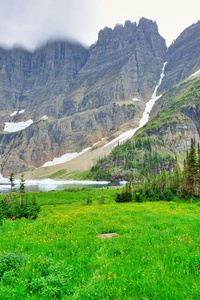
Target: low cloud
{"type": "Point", "coordinates": [29, 23]}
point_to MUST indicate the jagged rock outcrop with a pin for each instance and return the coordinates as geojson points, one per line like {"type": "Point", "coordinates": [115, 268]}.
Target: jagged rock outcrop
{"type": "Point", "coordinates": [183, 57]}
{"type": "Point", "coordinates": [76, 88]}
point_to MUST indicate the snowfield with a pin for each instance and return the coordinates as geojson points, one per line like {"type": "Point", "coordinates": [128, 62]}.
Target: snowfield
{"type": "Point", "coordinates": [44, 117]}
{"type": "Point", "coordinates": [64, 158]}
{"type": "Point", "coordinates": [14, 127]}
{"type": "Point", "coordinates": [14, 113]}
{"type": "Point", "coordinates": [194, 74]}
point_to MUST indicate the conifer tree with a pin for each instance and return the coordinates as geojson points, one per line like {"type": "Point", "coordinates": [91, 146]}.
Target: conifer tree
{"type": "Point", "coordinates": [198, 170]}
{"type": "Point", "coordinates": [191, 169]}
{"type": "Point", "coordinates": [11, 179]}
{"type": "Point", "coordinates": [176, 176]}
{"type": "Point", "coordinates": [22, 188]}
{"type": "Point", "coordinates": [163, 179]}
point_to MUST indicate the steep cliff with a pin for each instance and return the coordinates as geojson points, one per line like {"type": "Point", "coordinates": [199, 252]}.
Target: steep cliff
{"type": "Point", "coordinates": [176, 117]}
{"type": "Point", "coordinates": [183, 57]}
{"type": "Point", "coordinates": [76, 88]}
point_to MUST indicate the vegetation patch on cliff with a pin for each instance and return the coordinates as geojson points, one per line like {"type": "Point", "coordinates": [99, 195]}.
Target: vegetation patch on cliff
{"type": "Point", "coordinates": [136, 157]}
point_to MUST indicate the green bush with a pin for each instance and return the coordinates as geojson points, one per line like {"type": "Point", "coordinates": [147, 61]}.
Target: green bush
{"type": "Point", "coordinates": [9, 261]}
{"type": "Point", "coordinates": [13, 210]}
{"type": "Point", "coordinates": [125, 196]}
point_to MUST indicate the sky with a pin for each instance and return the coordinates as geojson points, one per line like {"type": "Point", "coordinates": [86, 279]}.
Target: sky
{"type": "Point", "coordinates": [30, 23]}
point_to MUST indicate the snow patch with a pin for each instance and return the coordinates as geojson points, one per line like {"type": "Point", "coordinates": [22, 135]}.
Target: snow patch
{"type": "Point", "coordinates": [64, 158]}
{"type": "Point", "coordinates": [145, 117]}
{"type": "Point", "coordinates": [44, 117]}
{"type": "Point", "coordinates": [14, 127]}
{"type": "Point", "coordinates": [14, 113]}
{"type": "Point", "coordinates": [67, 157]}
{"type": "Point", "coordinates": [21, 111]}
{"type": "Point", "coordinates": [136, 100]}
{"type": "Point", "coordinates": [194, 74]}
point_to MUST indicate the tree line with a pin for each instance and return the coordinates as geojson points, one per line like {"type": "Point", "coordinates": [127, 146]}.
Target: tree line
{"type": "Point", "coordinates": [18, 204]}
{"type": "Point", "coordinates": [183, 183]}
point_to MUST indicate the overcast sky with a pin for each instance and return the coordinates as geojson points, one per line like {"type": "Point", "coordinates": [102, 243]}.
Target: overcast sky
{"type": "Point", "coordinates": [31, 22]}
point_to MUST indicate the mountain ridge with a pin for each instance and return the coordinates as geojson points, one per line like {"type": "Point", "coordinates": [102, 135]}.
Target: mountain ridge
{"type": "Point", "coordinates": [86, 94]}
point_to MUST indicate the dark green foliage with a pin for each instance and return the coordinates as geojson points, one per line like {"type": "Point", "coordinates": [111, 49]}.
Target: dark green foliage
{"type": "Point", "coordinates": [22, 188]}
{"type": "Point", "coordinates": [28, 209]}
{"type": "Point", "coordinates": [89, 200]}
{"type": "Point", "coordinates": [102, 200]}
{"type": "Point", "coordinates": [137, 156]}
{"type": "Point", "coordinates": [191, 169]}
{"type": "Point", "coordinates": [165, 186]}
{"type": "Point", "coordinates": [126, 195]}
{"type": "Point", "coordinates": [10, 261]}
{"type": "Point", "coordinates": [13, 207]}
{"type": "Point", "coordinates": [11, 185]}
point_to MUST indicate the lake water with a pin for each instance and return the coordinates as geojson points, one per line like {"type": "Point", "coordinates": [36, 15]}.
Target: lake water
{"type": "Point", "coordinates": [50, 184]}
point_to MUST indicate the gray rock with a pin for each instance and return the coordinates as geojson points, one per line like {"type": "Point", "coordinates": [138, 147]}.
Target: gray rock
{"type": "Point", "coordinates": [76, 88]}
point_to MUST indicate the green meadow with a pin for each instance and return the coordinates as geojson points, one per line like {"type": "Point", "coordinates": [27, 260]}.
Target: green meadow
{"type": "Point", "coordinates": [155, 254]}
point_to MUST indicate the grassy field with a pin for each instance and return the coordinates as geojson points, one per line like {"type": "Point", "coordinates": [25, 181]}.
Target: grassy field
{"type": "Point", "coordinates": [60, 256]}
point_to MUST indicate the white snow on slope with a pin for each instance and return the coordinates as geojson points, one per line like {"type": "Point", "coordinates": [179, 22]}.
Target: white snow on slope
{"type": "Point", "coordinates": [67, 157]}
{"type": "Point", "coordinates": [21, 111]}
{"type": "Point", "coordinates": [145, 117]}
{"type": "Point", "coordinates": [14, 113]}
{"type": "Point", "coordinates": [64, 158]}
{"type": "Point", "coordinates": [17, 112]}
{"type": "Point", "coordinates": [44, 117]}
{"type": "Point", "coordinates": [194, 74]}
{"type": "Point", "coordinates": [14, 127]}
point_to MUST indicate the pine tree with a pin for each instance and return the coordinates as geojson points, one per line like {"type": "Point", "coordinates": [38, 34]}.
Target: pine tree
{"type": "Point", "coordinates": [176, 176]}
{"type": "Point", "coordinates": [191, 169]}
{"type": "Point", "coordinates": [102, 201]}
{"type": "Point", "coordinates": [11, 179]}
{"type": "Point", "coordinates": [22, 188]}
{"type": "Point", "coordinates": [198, 170]}
{"type": "Point", "coordinates": [163, 179]}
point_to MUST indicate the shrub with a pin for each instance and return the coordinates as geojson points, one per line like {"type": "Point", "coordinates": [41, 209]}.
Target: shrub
{"type": "Point", "coordinates": [102, 201]}
{"type": "Point", "coordinates": [27, 209]}
{"type": "Point", "coordinates": [89, 200]}
{"type": "Point", "coordinates": [138, 197]}
{"type": "Point", "coordinates": [10, 260]}
{"type": "Point", "coordinates": [126, 195]}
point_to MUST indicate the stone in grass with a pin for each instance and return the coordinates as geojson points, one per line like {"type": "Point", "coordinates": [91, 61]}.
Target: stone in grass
{"type": "Point", "coordinates": [108, 235]}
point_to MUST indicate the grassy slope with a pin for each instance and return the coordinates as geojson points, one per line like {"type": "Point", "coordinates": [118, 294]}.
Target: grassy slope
{"type": "Point", "coordinates": [155, 256]}
{"type": "Point", "coordinates": [170, 104]}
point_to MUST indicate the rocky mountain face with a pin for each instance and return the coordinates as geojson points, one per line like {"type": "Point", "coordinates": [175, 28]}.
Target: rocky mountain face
{"type": "Point", "coordinates": [176, 117]}
{"type": "Point", "coordinates": [183, 57]}
{"type": "Point", "coordinates": [85, 93]}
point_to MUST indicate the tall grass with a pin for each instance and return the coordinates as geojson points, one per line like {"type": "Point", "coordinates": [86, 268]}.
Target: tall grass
{"type": "Point", "coordinates": [59, 256]}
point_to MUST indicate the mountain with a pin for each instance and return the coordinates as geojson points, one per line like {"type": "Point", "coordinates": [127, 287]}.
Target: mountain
{"type": "Point", "coordinates": [175, 120]}
{"type": "Point", "coordinates": [72, 96]}
{"type": "Point", "coordinates": [64, 98]}
{"type": "Point", "coordinates": [183, 57]}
